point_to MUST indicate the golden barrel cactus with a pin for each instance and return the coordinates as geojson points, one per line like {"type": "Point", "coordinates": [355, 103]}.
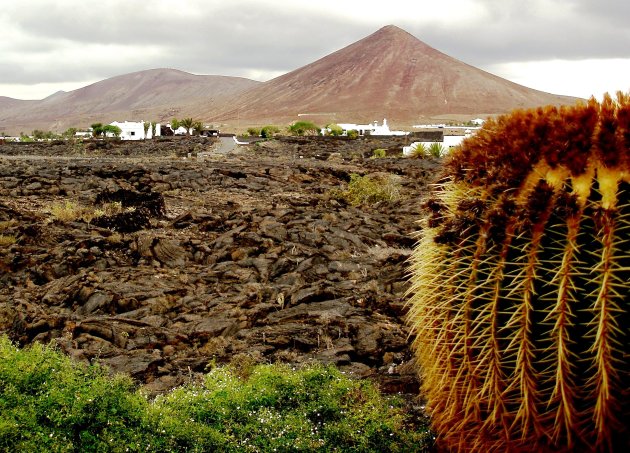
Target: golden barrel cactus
{"type": "Point", "coordinates": [520, 297]}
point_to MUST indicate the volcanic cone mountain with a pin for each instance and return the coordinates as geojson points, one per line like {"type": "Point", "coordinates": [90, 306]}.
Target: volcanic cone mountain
{"type": "Point", "coordinates": [387, 74]}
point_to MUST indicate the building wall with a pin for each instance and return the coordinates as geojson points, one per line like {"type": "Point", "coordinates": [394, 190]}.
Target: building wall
{"type": "Point", "coordinates": [130, 130]}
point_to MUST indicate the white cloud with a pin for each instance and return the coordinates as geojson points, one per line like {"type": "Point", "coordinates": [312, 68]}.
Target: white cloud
{"type": "Point", "coordinates": [40, 90]}
{"type": "Point", "coordinates": [583, 78]}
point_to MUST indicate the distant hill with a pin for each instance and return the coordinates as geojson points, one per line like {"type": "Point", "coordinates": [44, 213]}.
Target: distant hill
{"type": "Point", "coordinates": [389, 74]}
{"type": "Point", "coordinates": [155, 94]}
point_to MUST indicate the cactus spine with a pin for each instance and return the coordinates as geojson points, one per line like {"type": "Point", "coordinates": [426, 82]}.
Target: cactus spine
{"type": "Point", "coordinates": [520, 295]}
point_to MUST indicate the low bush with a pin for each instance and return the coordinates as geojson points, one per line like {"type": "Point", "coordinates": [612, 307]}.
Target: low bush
{"type": "Point", "coordinates": [436, 149]}
{"type": "Point", "coordinates": [304, 128]}
{"type": "Point", "coordinates": [369, 189]}
{"type": "Point", "coordinates": [253, 131]}
{"type": "Point", "coordinates": [379, 153]}
{"type": "Point", "coordinates": [269, 131]}
{"type": "Point", "coordinates": [334, 130]}
{"type": "Point", "coordinates": [48, 403]}
{"type": "Point", "coordinates": [419, 151]}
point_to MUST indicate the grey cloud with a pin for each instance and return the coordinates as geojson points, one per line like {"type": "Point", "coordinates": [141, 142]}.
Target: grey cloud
{"type": "Point", "coordinates": [609, 12]}
{"type": "Point", "coordinates": [512, 32]}
{"type": "Point", "coordinates": [230, 36]}
{"type": "Point", "coordinates": [250, 36]}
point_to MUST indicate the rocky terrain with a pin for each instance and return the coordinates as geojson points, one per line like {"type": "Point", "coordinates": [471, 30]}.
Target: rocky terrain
{"type": "Point", "coordinates": [209, 257]}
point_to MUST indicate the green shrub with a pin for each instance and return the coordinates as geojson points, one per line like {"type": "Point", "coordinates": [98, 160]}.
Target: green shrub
{"type": "Point", "coordinates": [334, 130]}
{"type": "Point", "coordinates": [419, 151]}
{"type": "Point", "coordinates": [48, 403]}
{"type": "Point", "coordinates": [379, 153]}
{"type": "Point", "coordinates": [277, 408]}
{"type": "Point", "coordinates": [269, 131]}
{"type": "Point", "coordinates": [253, 131]}
{"type": "Point", "coordinates": [353, 134]}
{"type": "Point", "coordinates": [304, 128]}
{"type": "Point", "coordinates": [436, 149]}
{"type": "Point", "coordinates": [369, 189]}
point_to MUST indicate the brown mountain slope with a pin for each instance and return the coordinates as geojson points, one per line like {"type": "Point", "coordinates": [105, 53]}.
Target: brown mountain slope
{"type": "Point", "coordinates": [387, 74]}
{"type": "Point", "coordinates": [156, 94]}
{"type": "Point", "coordinates": [7, 103]}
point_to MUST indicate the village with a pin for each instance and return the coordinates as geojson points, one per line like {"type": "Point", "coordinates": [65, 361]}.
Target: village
{"type": "Point", "coordinates": [444, 137]}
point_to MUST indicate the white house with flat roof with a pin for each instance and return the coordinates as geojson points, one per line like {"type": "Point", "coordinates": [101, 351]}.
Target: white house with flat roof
{"type": "Point", "coordinates": [370, 129]}
{"type": "Point", "coordinates": [134, 130]}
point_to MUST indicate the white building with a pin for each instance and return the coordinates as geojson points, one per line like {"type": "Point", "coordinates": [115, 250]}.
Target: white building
{"type": "Point", "coordinates": [370, 129]}
{"type": "Point", "coordinates": [181, 130]}
{"type": "Point", "coordinates": [134, 130]}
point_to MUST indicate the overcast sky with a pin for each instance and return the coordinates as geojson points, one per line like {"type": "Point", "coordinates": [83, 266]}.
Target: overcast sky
{"type": "Point", "coordinates": [573, 47]}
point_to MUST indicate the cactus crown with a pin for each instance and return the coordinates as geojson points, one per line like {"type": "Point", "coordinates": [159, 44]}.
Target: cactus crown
{"type": "Point", "coordinates": [519, 296]}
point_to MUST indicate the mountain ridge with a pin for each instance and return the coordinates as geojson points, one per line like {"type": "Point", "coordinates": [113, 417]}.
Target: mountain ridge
{"type": "Point", "coordinates": [389, 73]}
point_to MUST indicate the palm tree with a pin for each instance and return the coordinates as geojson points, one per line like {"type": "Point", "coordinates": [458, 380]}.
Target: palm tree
{"type": "Point", "coordinates": [188, 124]}
{"type": "Point", "coordinates": [97, 129]}
{"type": "Point", "coordinates": [146, 125]}
{"type": "Point", "coordinates": [197, 127]}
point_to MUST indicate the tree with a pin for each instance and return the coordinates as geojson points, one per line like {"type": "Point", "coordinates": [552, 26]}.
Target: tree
{"type": "Point", "coordinates": [153, 127]}
{"type": "Point", "coordinates": [187, 123]}
{"type": "Point", "coordinates": [197, 127]}
{"type": "Point", "coordinates": [38, 135]}
{"type": "Point", "coordinates": [146, 125]}
{"type": "Point", "coordinates": [97, 129]}
{"type": "Point", "coordinates": [334, 130]}
{"type": "Point", "coordinates": [175, 123]}
{"type": "Point", "coordinates": [111, 129]}
{"type": "Point", "coordinates": [304, 128]}
{"type": "Point", "coordinates": [70, 132]}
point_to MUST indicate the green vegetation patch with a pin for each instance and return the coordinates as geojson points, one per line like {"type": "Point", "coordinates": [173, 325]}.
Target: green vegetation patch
{"type": "Point", "coordinates": [369, 189]}
{"type": "Point", "coordinates": [48, 403]}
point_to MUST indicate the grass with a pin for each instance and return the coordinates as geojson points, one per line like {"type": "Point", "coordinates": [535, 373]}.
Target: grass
{"type": "Point", "coordinates": [70, 211]}
{"type": "Point", "coordinates": [48, 403]}
{"type": "Point", "coordinates": [7, 240]}
{"type": "Point", "coordinates": [67, 211]}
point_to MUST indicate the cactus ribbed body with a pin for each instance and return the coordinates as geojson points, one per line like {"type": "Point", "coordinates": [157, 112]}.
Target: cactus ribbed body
{"type": "Point", "coordinates": [520, 293]}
